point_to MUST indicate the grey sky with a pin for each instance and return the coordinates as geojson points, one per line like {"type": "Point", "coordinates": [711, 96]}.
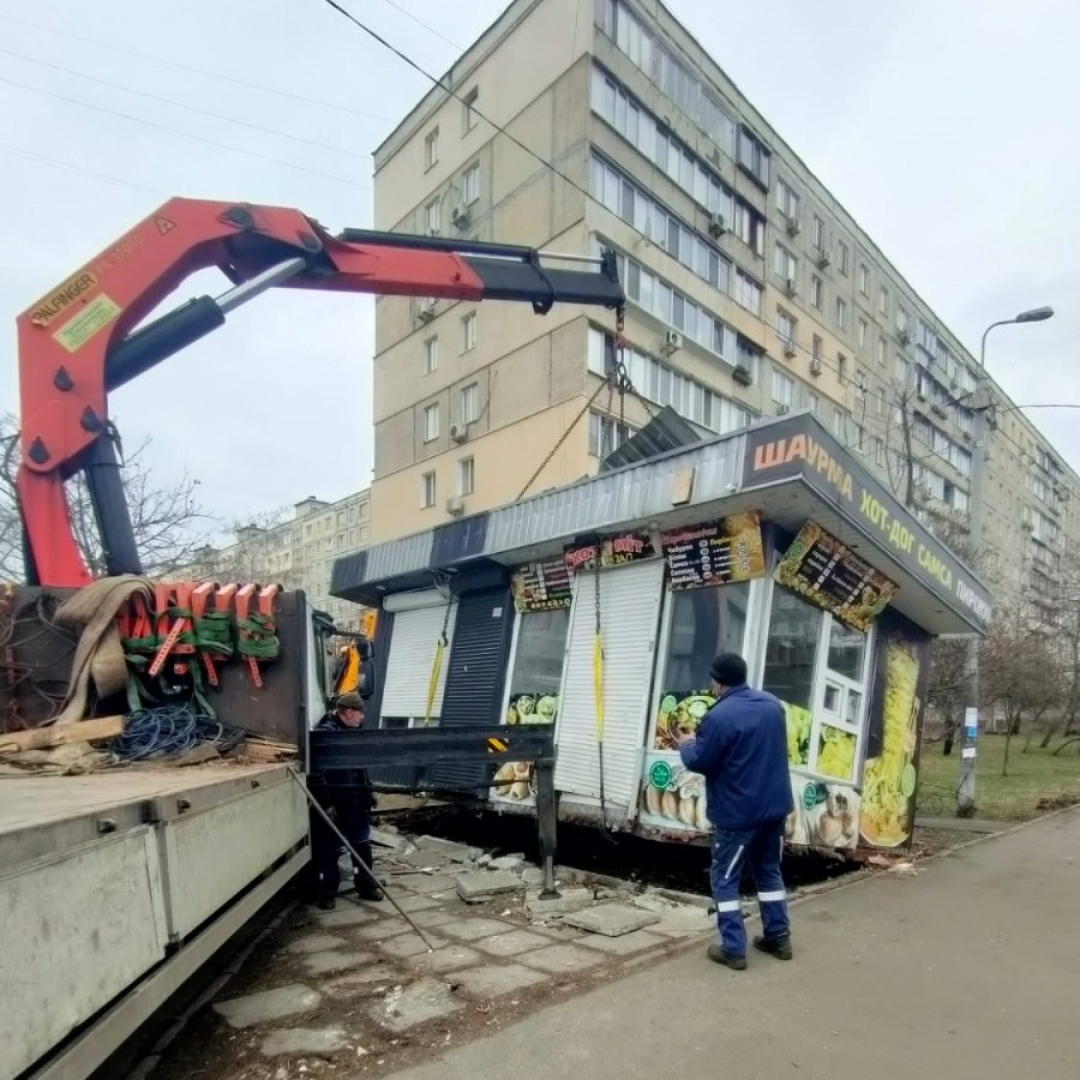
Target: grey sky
{"type": "Point", "coordinates": [943, 127]}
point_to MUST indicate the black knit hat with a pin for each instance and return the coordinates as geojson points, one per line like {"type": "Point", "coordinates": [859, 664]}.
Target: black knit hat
{"type": "Point", "coordinates": [729, 669]}
{"type": "Point", "coordinates": [350, 700]}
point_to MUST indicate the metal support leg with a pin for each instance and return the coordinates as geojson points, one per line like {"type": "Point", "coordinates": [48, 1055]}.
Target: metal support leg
{"type": "Point", "coordinates": [547, 820]}
{"type": "Point", "coordinates": [105, 484]}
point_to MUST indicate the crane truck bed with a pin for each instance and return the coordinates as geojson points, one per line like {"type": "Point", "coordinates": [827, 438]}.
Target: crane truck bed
{"type": "Point", "coordinates": [115, 887]}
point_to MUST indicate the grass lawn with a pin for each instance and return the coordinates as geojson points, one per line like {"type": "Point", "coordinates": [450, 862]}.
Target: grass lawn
{"type": "Point", "coordinates": [1032, 776]}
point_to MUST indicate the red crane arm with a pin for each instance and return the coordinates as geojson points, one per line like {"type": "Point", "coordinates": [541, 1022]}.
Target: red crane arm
{"type": "Point", "coordinates": [79, 342]}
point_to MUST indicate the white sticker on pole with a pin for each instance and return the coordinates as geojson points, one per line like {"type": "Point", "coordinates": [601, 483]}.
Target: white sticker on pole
{"type": "Point", "coordinates": [969, 753]}
{"type": "Point", "coordinates": [971, 720]}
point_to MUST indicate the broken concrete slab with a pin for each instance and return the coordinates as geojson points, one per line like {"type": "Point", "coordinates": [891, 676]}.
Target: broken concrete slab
{"type": "Point", "coordinates": [513, 943]}
{"type": "Point", "coordinates": [409, 945]}
{"type": "Point", "coordinates": [494, 981]}
{"type": "Point", "coordinates": [387, 839]}
{"type": "Point", "coordinates": [511, 864]}
{"type": "Point", "coordinates": [455, 852]}
{"type": "Point", "coordinates": [533, 877]}
{"type": "Point", "coordinates": [435, 917]}
{"type": "Point", "coordinates": [568, 900]}
{"type": "Point", "coordinates": [474, 929]}
{"type": "Point", "coordinates": [349, 915]}
{"type": "Point", "coordinates": [427, 999]}
{"type": "Point", "coordinates": [334, 960]}
{"type": "Point", "coordinates": [268, 1005]}
{"type": "Point", "coordinates": [312, 943]}
{"type": "Point", "coordinates": [410, 902]}
{"type": "Point", "coordinates": [482, 885]}
{"type": "Point", "coordinates": [624, 945]}
{"type": "Point", "coordinates": [561, 959]}
{"type": "Point", "coordinates": [446, 959]}
{"type": "Point", "coordinates": [423, 860]}
{"type": "Point", "coordinates": [364, 981]}
{"type": "Point", "coordinates": [427, 883]}
{"type": "Point", "coordinates": [311, 1042]}
{"type": "Point", "coordinates": [676, 920]}
{"type": "Point", "coordinates": [611, 920]}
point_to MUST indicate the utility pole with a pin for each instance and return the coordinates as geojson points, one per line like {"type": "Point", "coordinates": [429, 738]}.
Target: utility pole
{"type": "Point", "coordinates": [965, 792]}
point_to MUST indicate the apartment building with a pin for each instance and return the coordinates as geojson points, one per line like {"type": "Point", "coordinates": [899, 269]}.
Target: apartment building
{"type": "Point", "coordinates": [298, 553]}
{"type": "Point", "coordinates": [752, 292]}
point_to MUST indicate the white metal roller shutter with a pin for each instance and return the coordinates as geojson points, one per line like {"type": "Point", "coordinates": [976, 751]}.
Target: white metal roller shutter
{"type": "Point", "coordinates": [629, 611]}
{"type": "Point", "coordinates": [411, 657]}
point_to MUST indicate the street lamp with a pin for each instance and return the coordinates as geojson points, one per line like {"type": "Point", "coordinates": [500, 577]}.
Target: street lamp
{"type": "Point", "coordinates": [965, 794]}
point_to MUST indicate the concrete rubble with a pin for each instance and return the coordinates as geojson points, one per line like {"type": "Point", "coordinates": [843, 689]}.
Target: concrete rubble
{"type": "Point", "coordinates": [360, 975]}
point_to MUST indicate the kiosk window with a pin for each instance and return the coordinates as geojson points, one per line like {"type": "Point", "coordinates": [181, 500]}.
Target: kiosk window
{"type": "Point", "coordinates": [538, 666]}
{"type": "Point", "coordinates": [791, 651]}
{"type": "Point", "coordinates": [847, 648]}
{"type": "Point", "coordinates": [704, 623]}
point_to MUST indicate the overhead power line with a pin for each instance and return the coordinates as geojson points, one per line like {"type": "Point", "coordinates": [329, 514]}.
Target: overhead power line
{"type": "Point", "coordinates": [195, 70]}
{"type": "Point", "coordinates": [186, 134]}
{"type": "Point", "coordinates": [183, 105]}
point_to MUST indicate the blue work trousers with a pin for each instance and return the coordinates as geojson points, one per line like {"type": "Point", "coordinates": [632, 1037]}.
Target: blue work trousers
{"type": "Point", "coordinates": [761, 848]}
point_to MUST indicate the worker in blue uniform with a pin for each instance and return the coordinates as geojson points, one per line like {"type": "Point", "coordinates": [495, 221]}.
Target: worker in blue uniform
{"type": "Point", "coordinates": [740, 748]}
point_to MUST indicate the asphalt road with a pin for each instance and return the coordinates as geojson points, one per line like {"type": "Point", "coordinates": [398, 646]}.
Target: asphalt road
{"type": "Point", "coordinates": [970, 969]}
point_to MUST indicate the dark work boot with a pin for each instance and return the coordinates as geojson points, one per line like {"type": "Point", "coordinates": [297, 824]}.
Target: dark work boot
{"type": "Point", "coordinates": [327, 903]}
{"type": "Point", "coordinates": [717, 955]}
{"type": "Point", "coordinates": [780, 947]}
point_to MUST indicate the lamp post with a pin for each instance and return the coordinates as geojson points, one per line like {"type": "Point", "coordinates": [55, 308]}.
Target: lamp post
{"type": "Point", "coordinates": [965, 794]}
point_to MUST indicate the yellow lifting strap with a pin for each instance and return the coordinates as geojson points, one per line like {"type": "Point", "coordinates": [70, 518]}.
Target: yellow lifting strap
{"type": "Point", "coordinates": [436, 667]}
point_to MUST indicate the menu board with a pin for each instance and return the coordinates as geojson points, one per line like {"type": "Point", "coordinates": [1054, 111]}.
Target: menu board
{"type": "Point", "coordinates": [612, 551]}
{"type": "Point", "coordinates": [827, 573]}
{"type": "Point", "coordinates": [714, 554]}
{"type": "Point", "coordinates": [541, 586]}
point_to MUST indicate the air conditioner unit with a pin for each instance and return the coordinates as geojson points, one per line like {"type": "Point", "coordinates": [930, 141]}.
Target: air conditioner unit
{"type": "Point", "coordinates": [824, 258]}
{"type": "Point", "coordinates": [790, 287]}
{"type": "Point", "coordinates": [455, 506]}
{"type": "Point", "coordinates": [717, 225]}
{"type": "Point", "coordinates": [1027, 526]}
{"type": "Point", "coordinates": [783, 410]}
{"type": "Point", "coordinates": [940, 410]}
{"type": "Point", "coordinates": [673, 341]}
{"type": "Point", "coordinates": [459, 432]}
{"type": "Point", "coordinates": [459, 216]}
{"type": "Point", "coordinates": [793, 226]}
{"type": "Point", "coordinates": [904, 336]}
{"type": "Point", "coordinates": [426, 311]}
{"type": "Point", "coordinates": [790, 348]}
{"type": "Point", "coordinates": [743, 375]}
{"type": "Point", "coordinates": [714, 156]}
{"type": "Point", "coordinates": [816, 365]}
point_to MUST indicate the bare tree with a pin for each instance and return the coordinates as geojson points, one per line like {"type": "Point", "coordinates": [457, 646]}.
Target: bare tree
{"type": "Point", "coordinates": [168, 520]}
{"type": "Point", "coordinates": [1018, 670]}
{"type": "Point", "coordinates": [259, 552]}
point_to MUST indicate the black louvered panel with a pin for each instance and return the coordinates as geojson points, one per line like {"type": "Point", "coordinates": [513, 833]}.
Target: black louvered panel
{"type": "Point", "coordinates": [475, 679]}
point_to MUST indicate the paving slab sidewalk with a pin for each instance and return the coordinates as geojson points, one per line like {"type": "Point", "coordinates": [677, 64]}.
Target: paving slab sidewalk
{"type": "Point", "coordinates": [970, 969]}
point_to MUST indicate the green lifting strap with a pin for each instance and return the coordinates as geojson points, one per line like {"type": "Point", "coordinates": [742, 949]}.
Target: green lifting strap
{"type": "Point", "coordinates": [256, 640]}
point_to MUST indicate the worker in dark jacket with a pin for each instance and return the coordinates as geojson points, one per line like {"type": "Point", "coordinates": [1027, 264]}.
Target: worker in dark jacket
{"type": "Point", "coordinates": [348, 797]}
{"type": "Point", "coordinates": [741, 750]}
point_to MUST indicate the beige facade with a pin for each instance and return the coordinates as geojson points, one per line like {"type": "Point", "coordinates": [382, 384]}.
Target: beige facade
{"type": "Point", "coordinates": [752, 292]}
{"type": "Point", "coordinates": [298, 553]}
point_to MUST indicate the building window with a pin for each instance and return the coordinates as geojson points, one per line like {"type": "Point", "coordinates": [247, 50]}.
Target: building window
{"type": "Point", "coordinates": [787, 198]}
{"type": "Point", "coordinates": [817, 292]}
{"type": "Point", "coordinates": [470, 400]}
{"type": "Point", "coordinates": [468, 332]}
{"type": "Point", "coordinates": [812, 402]}
{"type": "Point", "coordinates": [819, 233]}
{"type": "Point", "coordinates": [470, 184]}
{"type": "Point", "coordinates": [431, 355]}
{"type": "Point", "coordinates": [466, 476]}
{"type": "Point", "coordinates": [843, 257]}
{"type": "Point", "coordinates": [787, 328]}
{"type": "Point", "coordinates": [427, 490]}
{"type": "Point", "coordinates": [748, 293]}
{"type": "Point", "coordinates": [883, 301]}
{"type": "Point", "coordinates": [861, 338]}
{"type": "Point", "coordinates": [750, 228]}
{"type": "Point", "coordinates": [841, 367]}
{"type": "Point", "coordinates": [841, 313]}
{"type": "Point", "coordinates": [468, 116]}
{"type": "Point", "coordinates": [864, 279]}
{"type": "Point", "coordinates": [431, 422]}
{"type": "Point", "coordinates": [754, 159]}
{"type": "Point", "coordinates": [901, 320]}
{"type": "Point", "coordinates": [605, 435]}
{"type": "Point", "coordinates": [783, 389]}
{"type": "Point", "coordinates": [431, 149]}
{"type": "Point", "coordinates": [900, 370]}
{"type": "Point", "coordinates": [786, 263]}
{"type": "Point", "coordinates": [433, 216]}
{"type": "Point", "coordinates": [816, 349]}
{"type": "Point", "coordinates": [882, 350]}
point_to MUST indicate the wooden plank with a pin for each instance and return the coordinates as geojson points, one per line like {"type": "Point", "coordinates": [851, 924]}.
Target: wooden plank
{"type": "Point", "coordinates": [107, 727]}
